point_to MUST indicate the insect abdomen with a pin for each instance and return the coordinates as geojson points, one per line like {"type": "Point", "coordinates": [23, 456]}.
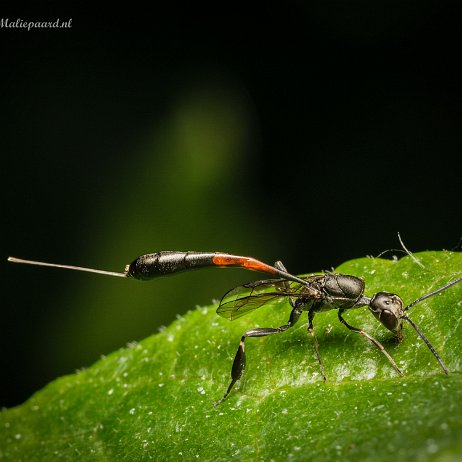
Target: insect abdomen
{"type": "Point", "coordinates": [162, 263]}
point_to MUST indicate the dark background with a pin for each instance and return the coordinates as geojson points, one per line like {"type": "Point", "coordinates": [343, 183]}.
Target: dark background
{"type": "Point", "coordinates": [310, 133]}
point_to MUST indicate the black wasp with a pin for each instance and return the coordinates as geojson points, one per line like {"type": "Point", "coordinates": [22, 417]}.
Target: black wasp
{"type": "Point", "coordinates": [313, 294]}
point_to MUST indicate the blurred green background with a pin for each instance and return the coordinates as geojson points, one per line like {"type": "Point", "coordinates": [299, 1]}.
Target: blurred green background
{"type": "Point", "coordinates": [308, 133]}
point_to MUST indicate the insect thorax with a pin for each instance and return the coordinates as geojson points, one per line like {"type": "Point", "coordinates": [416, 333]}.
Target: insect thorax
{"type": "Point", "coordinates": [337, 291]}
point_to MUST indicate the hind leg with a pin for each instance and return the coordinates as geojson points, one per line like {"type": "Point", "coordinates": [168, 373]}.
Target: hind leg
{"type": "Point", "coordinates": [240, 359]}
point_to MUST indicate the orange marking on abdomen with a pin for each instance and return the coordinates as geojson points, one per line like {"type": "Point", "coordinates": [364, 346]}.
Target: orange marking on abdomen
{"type": "Point", "coordinates": [223, 260]}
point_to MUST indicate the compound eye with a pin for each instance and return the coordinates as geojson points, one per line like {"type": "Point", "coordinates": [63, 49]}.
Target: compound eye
{"type": "Point", "coordinates": [388, 309]}
{"type": "Point", "coordinates": [389, 320]}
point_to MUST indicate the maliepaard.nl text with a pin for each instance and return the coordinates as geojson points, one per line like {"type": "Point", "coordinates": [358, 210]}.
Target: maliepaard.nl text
{"type": "Point", "coordinates": [22, 24]}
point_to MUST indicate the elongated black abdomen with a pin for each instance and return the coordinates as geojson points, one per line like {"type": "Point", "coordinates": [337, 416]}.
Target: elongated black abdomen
{"type": "Point", "coordinates": [162, 263]}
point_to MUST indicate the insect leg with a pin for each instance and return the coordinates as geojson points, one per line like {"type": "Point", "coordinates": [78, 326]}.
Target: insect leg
{"type": "Point", "coordinates": [240, 359]}
{"type": "Point", "coordinates": [285, 284]}
{"type": "Point", "coordinates": [371, 339]}
{"type": "Point", "coordinates": [315, 342]}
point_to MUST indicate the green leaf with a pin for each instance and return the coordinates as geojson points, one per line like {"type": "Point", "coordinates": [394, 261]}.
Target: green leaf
{"type": "Point", "coordinates": [153, 401]}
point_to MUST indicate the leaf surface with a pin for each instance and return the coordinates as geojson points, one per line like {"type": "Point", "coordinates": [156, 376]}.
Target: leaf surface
{"type": "Point", "coordinates": [153, 401]}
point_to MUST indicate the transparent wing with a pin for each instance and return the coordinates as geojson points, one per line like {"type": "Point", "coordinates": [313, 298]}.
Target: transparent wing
{"type": "Point", "coordinates": [248, 297]}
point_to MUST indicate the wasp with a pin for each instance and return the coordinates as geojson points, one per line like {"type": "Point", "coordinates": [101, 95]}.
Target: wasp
{"type": "Point", "coordinates": [312, 294]}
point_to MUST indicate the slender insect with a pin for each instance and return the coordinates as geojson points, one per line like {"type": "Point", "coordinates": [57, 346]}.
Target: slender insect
{"type": "Point", "coordinates": [312, 294]}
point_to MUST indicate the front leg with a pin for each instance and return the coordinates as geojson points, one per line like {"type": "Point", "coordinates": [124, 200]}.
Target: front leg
{"type": "Point", "coordinates": [371, 339]}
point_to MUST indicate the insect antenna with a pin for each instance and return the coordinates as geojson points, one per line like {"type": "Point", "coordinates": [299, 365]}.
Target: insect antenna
{"type": "Point", "coordinates": [430, 346]}
{"type": "Point", "coordinates": [416, 328]}
{"type": "Point", "coordinates": [70, 267]}
{"type": "Point", "coordinates": [437, 291]}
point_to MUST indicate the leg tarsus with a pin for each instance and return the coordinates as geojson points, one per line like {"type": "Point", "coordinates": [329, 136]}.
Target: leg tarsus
{"type": "Point", "coordinates": [231, 385]}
